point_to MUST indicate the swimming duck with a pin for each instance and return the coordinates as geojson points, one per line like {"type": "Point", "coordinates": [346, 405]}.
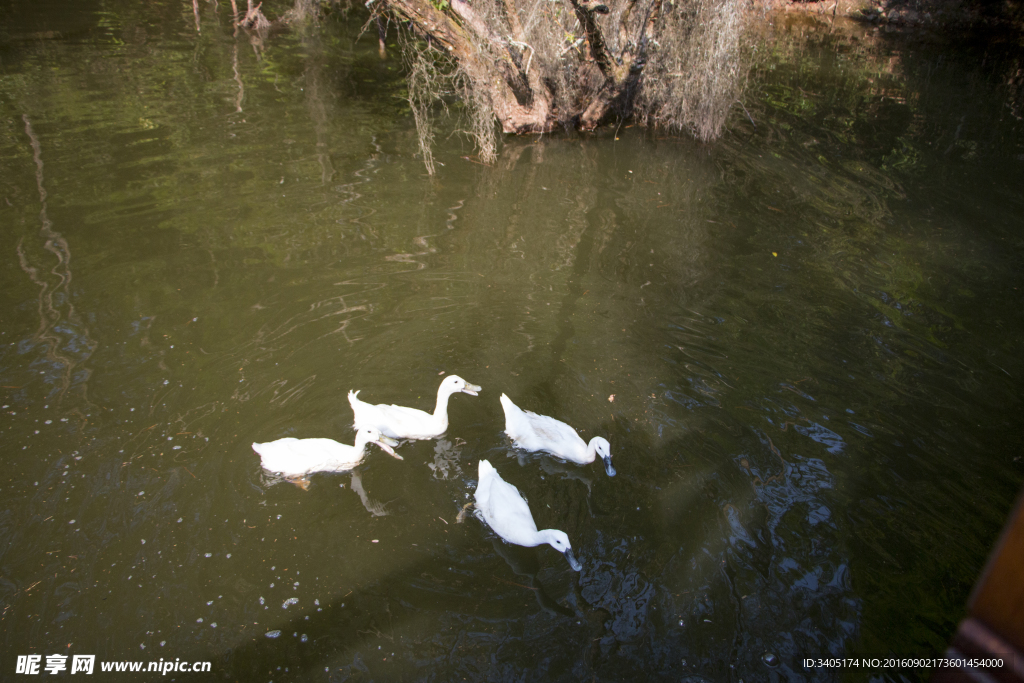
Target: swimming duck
{"type": "Point", "coordinates": [399, 422]}
{"type": "Point", "coordinates": [533, 432]}
{"type": "Point", "coordinates": [506, 512]}
{"type": "Point", "coordinates": [296, 458]}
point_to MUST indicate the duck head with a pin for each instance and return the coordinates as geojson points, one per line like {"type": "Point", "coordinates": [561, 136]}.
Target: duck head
{"type": "Point", "coordinates": [454, 384]}
{"type": "Point", "coordinates": [368, 435]}
{"type": "Point", "coordinates": [603, 450]}
{"type": "Point", "coordinates": [560, 542]}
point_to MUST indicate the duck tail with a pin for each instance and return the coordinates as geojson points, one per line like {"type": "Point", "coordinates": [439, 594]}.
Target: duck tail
{"type": "Point", "coordinates": [512, 411]}
{"type": "Point", "coordinates": [353, 396]}
{"type": "Point", "coordinates": [485, 468]}
{"type": "Point", "coordinates": [514, 417]}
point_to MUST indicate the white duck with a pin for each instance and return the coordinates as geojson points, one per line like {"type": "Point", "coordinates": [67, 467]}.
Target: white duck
{"type": "Point", "coordinates": [533, 432]}
{"type": "Point", "coordinates": [399, 422]}
{"type": "Point", "coordinates": [506, 512]}
{"type": "Point", "coordinates": [294, 458]}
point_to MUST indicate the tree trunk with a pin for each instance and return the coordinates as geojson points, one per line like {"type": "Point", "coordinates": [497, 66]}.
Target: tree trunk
{"type": "Point", "coordinates": [521, 99]}
{"type": "Point", "coordinates": [537, 65]}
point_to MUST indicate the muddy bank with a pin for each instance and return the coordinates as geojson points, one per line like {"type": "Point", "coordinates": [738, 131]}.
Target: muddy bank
{"type": "Point", "coordinates": [952, 14]}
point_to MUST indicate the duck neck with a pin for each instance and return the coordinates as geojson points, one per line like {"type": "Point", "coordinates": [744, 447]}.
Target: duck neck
{"type": "Point", "coordinates": [441, 409]}
{"type": "Point", "coordinates": [360, 443]}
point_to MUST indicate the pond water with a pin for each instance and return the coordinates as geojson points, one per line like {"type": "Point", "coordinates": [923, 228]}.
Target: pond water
{"type": "Point", "coordinates": [803, 342]}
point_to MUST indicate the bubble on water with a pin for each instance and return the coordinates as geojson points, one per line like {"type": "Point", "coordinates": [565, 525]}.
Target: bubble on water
{"type": "Point", "coordinates": [228, 556]}
{"type": "Point", "coordinates": [304, 638]}
{"type": "Point", "coordinates": [271, 585]}
{"type": "Point", "coordinates": [262, 601]}
{"type": "Point", "coordinates": [179, 520]}
{"type": "Point", "coordinates": [199, 620]}
{"type": "Point", "coordinates": [162, 643]}
{"type": "Point", "coordinates": [681, 622]}
{"type": "Point", "coordinates": [141, 493]}
{"type": "Point", "coordinates": [296, 583]}
{"type": "Point", "coordinates": [279, 516]}
{"type": "Point", "coordinates": [770, 659]}
{"type": "Point", "coordinates": [71, 522]}
{"type": "Point", "coordinates": [682, 662]}
{"type": "Point", "coordinates": [176, 448]}
{"type": "Point", "coordinates": [48, 422]}
{"type": "Point", "coordinates": [208, 555]}
{"type": "Point", "coordinates": [289, 601]}
{"type": "Point", "coordinates": [167, 381]}
{"type": "Point", "coordinates": [209, 602]}
{"type": "Point", "coordinates": [272, 634]}
{"type": "Point", "coordinates": [143, 541]}
{"type": "Point", "coordinates": [317, 601]}
{"type": "Point", "coordinates": [213, 624]}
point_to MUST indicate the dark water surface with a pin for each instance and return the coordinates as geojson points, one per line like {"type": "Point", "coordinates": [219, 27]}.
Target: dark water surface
{"type": "Point", "coordinates": [803, 343]}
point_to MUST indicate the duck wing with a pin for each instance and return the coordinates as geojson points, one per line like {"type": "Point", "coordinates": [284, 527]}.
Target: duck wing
{"type": "Point", "coordinates": [292, 456]}
{"type": "Point", "coordinates": [506, 511]}
{"type": "Point", "coordinates": [551, 435]}
{"type": "Point", "coordinates": [400, 422]}
{"type": "Point", "coordinates": [397, 422]}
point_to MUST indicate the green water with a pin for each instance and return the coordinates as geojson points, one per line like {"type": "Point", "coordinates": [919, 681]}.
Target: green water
{"type": "Point", "coordinates": [803, 343]}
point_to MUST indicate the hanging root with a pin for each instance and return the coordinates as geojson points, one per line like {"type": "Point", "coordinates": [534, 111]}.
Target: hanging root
{"type": "Point", "coordinates": [423, 80]}
{"type": "Point", "coordinates": [434, 79]}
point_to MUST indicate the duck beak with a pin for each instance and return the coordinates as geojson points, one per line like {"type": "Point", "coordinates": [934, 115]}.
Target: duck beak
{"type": "Point", "coordinates": [608, 467]}
{"type": "Point", "coordinates": [387, 448]}
{"type": "Point", "coordinates": [471, 389]}
{"type": "Point", "coordinates": [573, 562]}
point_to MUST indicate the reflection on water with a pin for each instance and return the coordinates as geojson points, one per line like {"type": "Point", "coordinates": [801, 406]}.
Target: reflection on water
{"type": "Point", "coordinates": [61, 330]}
{"type": "Point", "coordinates": [800, 342]}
